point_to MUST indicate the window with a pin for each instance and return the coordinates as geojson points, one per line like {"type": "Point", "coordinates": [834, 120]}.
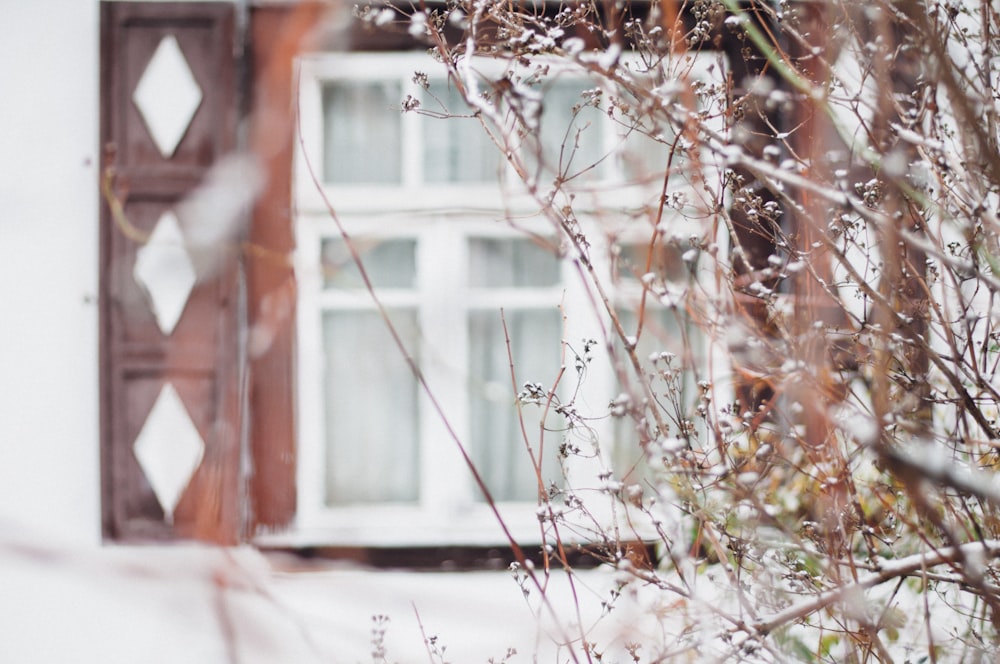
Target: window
{"type": "Point", "coordinates": [427, 204]}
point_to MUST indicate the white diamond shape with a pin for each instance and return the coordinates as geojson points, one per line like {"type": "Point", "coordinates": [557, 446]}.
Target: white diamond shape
{"type": "Point", "coordinates": [164, 269]}
{"type": "Point", "coordinates": [169, 449]}
{"type": "Point", "coordinates": [167, 96]}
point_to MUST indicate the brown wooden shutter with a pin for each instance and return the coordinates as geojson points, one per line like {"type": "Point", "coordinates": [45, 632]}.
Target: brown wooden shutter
{"type": "Point", "coordinates": [276, 35]}
{"type": "Point", "coordinates": [167, 383]}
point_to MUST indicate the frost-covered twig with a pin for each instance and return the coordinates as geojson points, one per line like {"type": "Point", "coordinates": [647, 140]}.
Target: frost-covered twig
{"type": "Point", "coordinates": [888, 570]}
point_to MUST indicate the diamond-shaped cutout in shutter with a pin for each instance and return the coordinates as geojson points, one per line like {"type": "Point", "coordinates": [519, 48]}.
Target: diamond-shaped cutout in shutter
{"type": "Point", "coordinates": [164, 269]}
{"type": "Point", "coordinates": [169, 449]}
{"type": "Point", "coordinates": [167, 96]}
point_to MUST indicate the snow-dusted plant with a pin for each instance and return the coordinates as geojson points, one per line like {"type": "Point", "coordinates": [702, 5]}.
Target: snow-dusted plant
{"type": "Point", "coordinates": [810, 192]}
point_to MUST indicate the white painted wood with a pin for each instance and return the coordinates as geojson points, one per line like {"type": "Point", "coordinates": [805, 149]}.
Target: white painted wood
{"type": "Point", "coordinates": [49, 234]}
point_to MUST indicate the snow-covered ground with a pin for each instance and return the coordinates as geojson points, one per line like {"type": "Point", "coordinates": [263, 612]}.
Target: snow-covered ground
{"type": "Point", "coordinates": [196, 604]}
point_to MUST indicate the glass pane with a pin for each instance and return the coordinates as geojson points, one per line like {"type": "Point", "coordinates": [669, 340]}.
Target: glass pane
{"type": "Point", "coordinates": [511, 263]}
{"type": "Point", "coordinates": [371, 409]}
{"type": "Point", "coordinates": [363, 133]}
{"type": "Point", "coordinates": [661, 336]}
{"type": "Point", "coordinates": [455, 149]}
{"type": "Point", "coordinates": [389, 263]}
{"type": "Point", "coordinates": [644, 158]}
{"type": "Point", "coordinates": [661, 333]}
{"type": "Point", "coordinates": [664, 260]}
{"type": "Point", "coordinates": [497, 445]}
{"type": "Point", "coordinates": [570, 132]}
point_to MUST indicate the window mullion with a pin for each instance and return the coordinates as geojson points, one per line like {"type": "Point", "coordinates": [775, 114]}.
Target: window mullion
{"type": "Point", "coordinates": [442, 258]}
{"type": "Point", "coordinates": [310, 153]}
{"type": "Point", "coordinates": [413, 143]}
{"type": "Point", "coordinates": [310, 381]}
{"type": "Point", "coordinates": [587, 319]}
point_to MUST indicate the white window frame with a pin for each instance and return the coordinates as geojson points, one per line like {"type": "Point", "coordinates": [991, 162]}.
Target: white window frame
{"type": "Point", "coordinates": [412, 194]}
{"type": "Point", "coordinates": [446, 513]}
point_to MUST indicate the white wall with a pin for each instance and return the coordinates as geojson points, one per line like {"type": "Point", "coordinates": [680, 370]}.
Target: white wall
{"type": "Point", "coordinates": [49, 454]}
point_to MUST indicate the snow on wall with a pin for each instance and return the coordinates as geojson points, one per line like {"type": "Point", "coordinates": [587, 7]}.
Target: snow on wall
{"type": "Point", "coordinates": [49, 474]}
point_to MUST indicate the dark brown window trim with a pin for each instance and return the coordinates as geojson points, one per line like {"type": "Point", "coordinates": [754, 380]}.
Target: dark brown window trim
{"type": "Point", "coordinates": [453, 558]}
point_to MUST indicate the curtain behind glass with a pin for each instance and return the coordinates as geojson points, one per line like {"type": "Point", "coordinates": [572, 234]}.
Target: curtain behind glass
{"type": "Point", "coordinates": [456, 150]}
{"type": "Point", "coordinates": [571, 133]}
{"type": "Point", "coordinates": [535, 334]}
{"type": "Point", "coordinates": [363, 134]}
{"type": "Point", "coordinates": [372, 424]}
{"type": "Point", "coordinates": [661, 337]}
{"type": "Point", "coordinates": [497, 443]}
{"type": "Point", "coordinates": [511, 263]}
{"type": "Point", "coordinates": [389, 263]}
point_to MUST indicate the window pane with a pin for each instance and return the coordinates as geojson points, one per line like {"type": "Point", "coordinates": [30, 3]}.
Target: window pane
{"type": "Point", "coordinates": [511, 263]}
{"type": "Point", "coordinates": [570, 131]}
{"type": "Point", "coordinates": [644, 155]}
{"type": "Point", "coordinates": [455, 149]}
{"type": "Point", "coordinates": [389, 263]}
{"type": "Point", "coordinates": [497, 445]}
{"type": "Point", "coordinates": [363, 133]}
{"type": "Point", "coordinates": [665, 260]}
{"type": "Point", "coordinates": [661, 337]}
{"type": "Point", "coordinates": [371, 409]}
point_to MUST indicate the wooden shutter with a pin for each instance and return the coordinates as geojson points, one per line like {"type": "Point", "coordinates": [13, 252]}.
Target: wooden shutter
{"type": "Point", "coordinates": [169, 330]}
{"type": "Point", "coordinates": [276, 35]}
